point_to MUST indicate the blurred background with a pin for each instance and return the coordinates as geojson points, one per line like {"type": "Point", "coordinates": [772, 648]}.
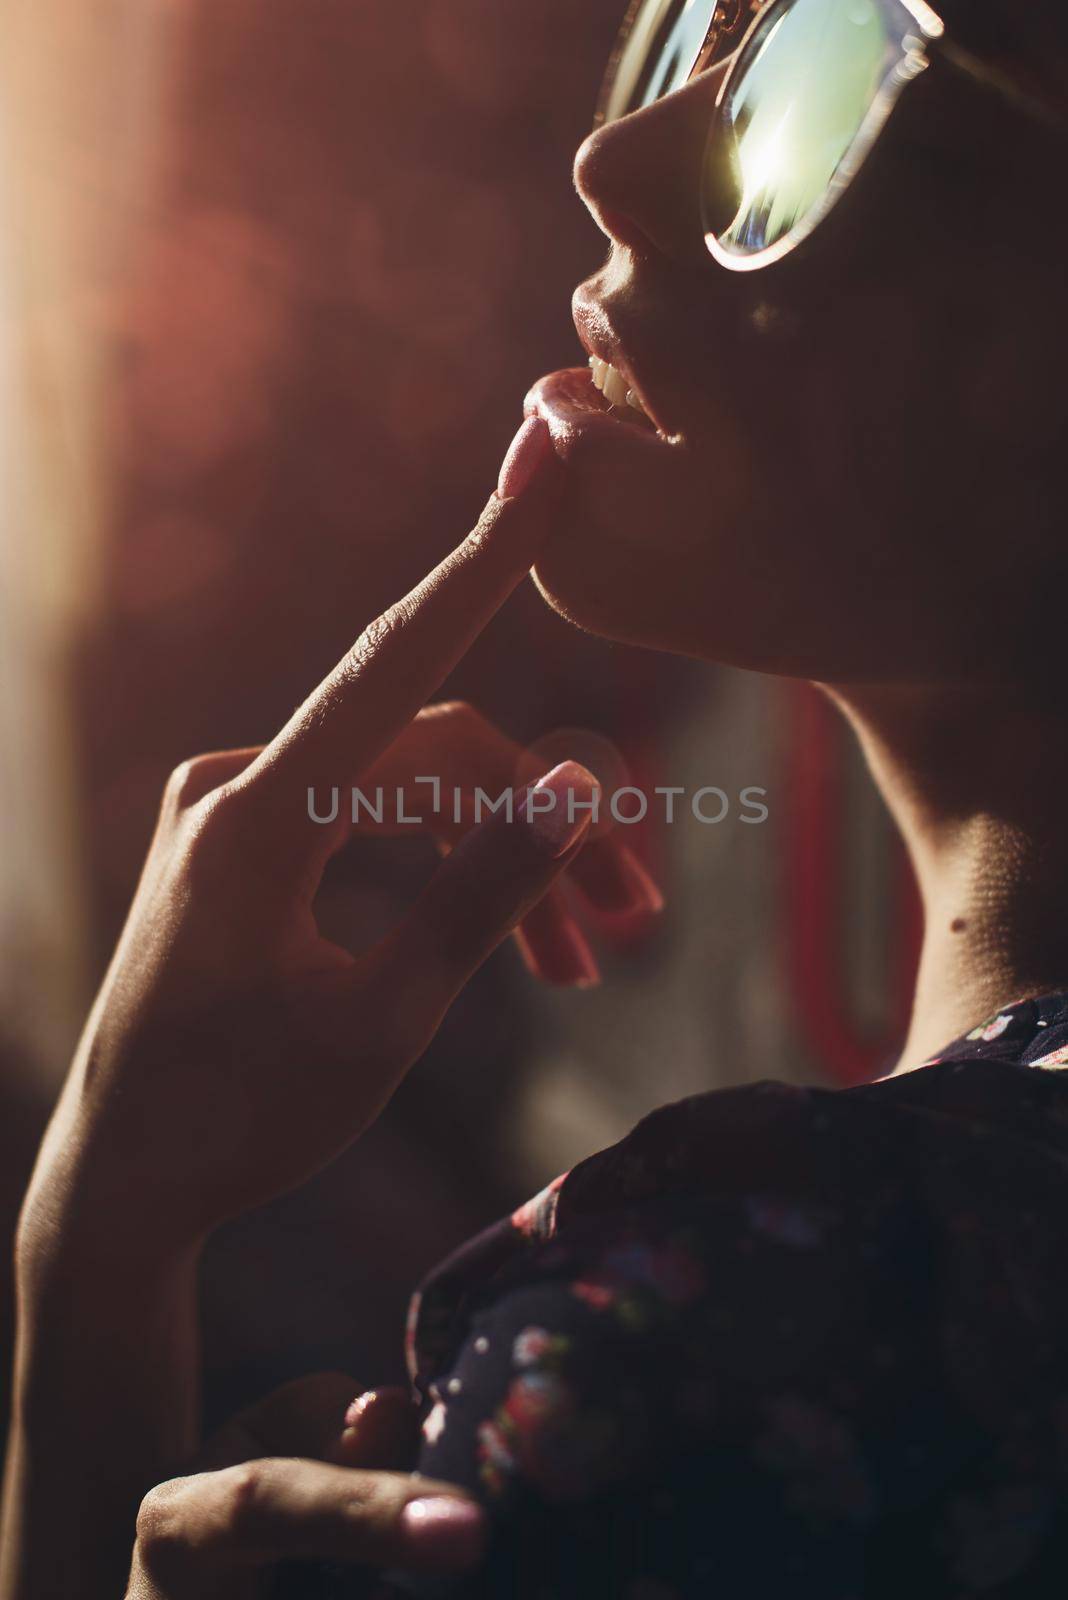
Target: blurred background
{"type": "Point", "coordinates": [274, 278]}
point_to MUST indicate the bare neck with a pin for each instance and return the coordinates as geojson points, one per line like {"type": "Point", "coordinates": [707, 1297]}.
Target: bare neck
{"type": "Point", "coordinates": [977, 782]}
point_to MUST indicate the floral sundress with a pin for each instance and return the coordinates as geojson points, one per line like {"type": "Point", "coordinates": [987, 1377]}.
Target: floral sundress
{"type": "Point", "coordinates": [777, 1342]}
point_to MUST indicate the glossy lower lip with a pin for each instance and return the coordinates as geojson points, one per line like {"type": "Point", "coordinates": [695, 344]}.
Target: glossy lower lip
{"type": "Point", "coordinates": [574, 407]}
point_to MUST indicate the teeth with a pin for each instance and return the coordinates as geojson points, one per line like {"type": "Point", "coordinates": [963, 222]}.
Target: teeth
{"type": "Point", "coordinates": [615, 390]}
{"type": "Point", "coordinates": [612, 385]}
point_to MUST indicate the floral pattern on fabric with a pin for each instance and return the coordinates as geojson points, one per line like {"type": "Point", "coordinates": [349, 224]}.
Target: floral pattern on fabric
{"type": "Point", "coordinates": [778, 1343]}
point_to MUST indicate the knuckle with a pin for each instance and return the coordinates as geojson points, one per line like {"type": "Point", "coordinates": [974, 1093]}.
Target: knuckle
{"type": "Point", "coordinates": [374, 639]}
{"type": "Point", "coordinates": [155, 1518]}
{"type": "Point", "coordinates": [181, 1523]}
{"type": "Point", "coordinates": [223, 806]}
{"type": "Point", "coordinates": [162, 1530]}
{"type": "Point", "coordinates": [458, 711]}
{"type": "Point", "coordinates": [199, 792]}
{"type": "Point", "coordinates": [445, 711]}
{"type": "Point", "coordinates": [467, 727]}
{"type": "Point", "coordinates": [371, 1503]}
{"type": "Point", "coordinates": [186, 783]}
{"type": "Point", "coordinates": [209, 829]}
{"type": "Point", "coordinates": [479, 747]}
{"type": "Point", "coordinates": [241, 1511]}
{"type": "Point", "coordinates": [473, 725]}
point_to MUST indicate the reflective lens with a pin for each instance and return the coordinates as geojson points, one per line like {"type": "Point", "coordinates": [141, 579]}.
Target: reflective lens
{"type": "Point", "coordinates": [658, 53]}
{"type": "Point", "coordinates": [807, 94]}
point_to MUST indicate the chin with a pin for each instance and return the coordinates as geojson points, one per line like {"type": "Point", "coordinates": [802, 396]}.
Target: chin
{"type": "Point", "coordinates": [615, 579]}
{"type": "Point", "coordinates": [643, 587]}
{"type": "Point", "coordinates": [673, 547]}
{"type": "Point", "coordinates": [646, 569]}
{"type": "Point", "coordinates": [655, 543]}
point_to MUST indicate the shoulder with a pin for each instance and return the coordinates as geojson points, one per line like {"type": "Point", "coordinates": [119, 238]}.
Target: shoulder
{"type": "Point", "coordinates": [733, 1165]}
{"type": "Point", "coordinates": [804, 1309]}
{"type": "Point", "coordinates": [635, 1333]}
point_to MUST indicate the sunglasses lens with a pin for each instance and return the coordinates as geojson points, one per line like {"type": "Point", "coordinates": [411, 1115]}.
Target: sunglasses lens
{"type": "Point", "coordinates": [799, 96]}
{"type": "Point", "coordinates": [658, 53]}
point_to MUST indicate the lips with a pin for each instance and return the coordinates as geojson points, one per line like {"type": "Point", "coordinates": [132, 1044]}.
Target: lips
{"type": "Point", "coordinates": [616, 400]}
{"type": "Point", "coordinates": [600, 396]}
{"type": "Point", "coordinates": [573, 406]}
{"type": "Point", "coordinates": [611, 362]}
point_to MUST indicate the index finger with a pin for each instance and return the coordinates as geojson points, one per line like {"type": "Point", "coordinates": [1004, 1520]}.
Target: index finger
{"type": "Point", "coordinates": [403, 657]}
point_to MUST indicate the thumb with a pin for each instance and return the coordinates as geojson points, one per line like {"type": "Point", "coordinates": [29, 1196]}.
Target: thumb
{"type": "Point", "coordinates": [490, 881]}
{"type": "Point", "coordinates": [194, 1534]}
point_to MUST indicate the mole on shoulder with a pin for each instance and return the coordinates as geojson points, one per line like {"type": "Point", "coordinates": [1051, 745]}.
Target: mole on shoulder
{"type": "Point", "coordinates": [958, 925]}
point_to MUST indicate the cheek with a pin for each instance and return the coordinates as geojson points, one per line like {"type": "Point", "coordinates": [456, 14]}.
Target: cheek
{"type": "Point", "coordinates": [1012, 389]}
{"type": "Point", "coordinates": [852, 409]}
{"type": "Point", "coordinates": [801, 522]}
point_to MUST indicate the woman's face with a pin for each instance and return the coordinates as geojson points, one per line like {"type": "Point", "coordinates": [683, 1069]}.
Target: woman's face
{"type": "Point", "coordinates": [859, 469]}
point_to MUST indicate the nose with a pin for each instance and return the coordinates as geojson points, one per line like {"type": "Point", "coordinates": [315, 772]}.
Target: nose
{"type": "Point", "coordinates": [640, 176]}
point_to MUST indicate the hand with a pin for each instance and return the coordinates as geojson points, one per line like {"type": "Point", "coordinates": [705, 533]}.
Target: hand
{"type": "Point", "coordinates": [466, 753]}
{"type": "Point", "coordinates": [233, 1050]}
{"type": "Point", "coordinates": [289, 1480]}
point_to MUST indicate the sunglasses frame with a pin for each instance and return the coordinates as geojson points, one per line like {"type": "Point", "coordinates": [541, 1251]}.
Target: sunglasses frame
{"type": "Point", "coordinates": [732, 25]}
{"type": "Point", "coordinates": [915, 55]}
{"type": "Point", "coordinates": [729, 21]}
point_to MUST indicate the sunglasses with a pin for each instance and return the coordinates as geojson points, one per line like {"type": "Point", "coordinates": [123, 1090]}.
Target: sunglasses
{"type": "Point", "coordinates": [807, 88]}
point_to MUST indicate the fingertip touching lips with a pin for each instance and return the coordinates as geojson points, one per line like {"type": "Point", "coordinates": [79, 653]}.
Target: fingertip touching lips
{"type": "Point", "coordinates": [580, 416]}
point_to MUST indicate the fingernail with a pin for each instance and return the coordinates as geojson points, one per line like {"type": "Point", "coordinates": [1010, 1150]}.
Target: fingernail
{"type": "Point", "coordinates": [527, 453]}
{"type": "Point", "coordinates": [358, 1407]}
{"type": "Point", "coordinates": [444, 1528]}
{"type": "Point", "coordinates": [561, 806]}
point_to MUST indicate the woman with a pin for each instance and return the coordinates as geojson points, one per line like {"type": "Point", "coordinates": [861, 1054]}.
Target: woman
{"type": "Point", "coordinates": [777, 1340]}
